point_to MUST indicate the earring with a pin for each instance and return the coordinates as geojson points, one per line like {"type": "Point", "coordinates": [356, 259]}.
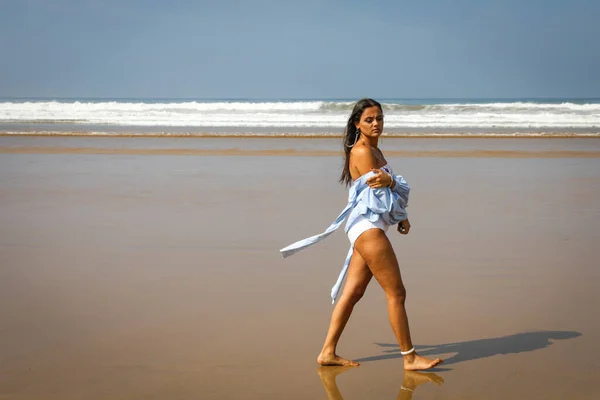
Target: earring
{"type": "Point", "coordinates": [356, 138]}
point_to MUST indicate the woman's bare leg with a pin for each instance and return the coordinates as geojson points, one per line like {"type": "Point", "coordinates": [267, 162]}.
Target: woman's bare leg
{"type": "Point", "coordinates": [357, 281]}
{"type": "Point", "coordinates": [376, 250]}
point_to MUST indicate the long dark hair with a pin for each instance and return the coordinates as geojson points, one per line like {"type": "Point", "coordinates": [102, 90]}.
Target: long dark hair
{"type": "Point", "coordinates": [351, 134]}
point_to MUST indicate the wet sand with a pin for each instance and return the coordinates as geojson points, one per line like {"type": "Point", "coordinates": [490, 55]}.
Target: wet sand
{"type": "Point", "coordinates": [151, 269]}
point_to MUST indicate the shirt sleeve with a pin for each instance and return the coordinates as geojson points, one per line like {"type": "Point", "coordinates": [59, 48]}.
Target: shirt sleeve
{"type": "Point", "coordinates": [402, 189]}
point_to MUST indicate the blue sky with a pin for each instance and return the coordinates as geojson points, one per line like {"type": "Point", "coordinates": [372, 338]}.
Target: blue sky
{"type": "Point", "coordinates": [299, 49]}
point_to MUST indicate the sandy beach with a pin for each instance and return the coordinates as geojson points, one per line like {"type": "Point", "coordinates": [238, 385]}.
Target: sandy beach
{"type": "Point", "coordinates": [149, 268]}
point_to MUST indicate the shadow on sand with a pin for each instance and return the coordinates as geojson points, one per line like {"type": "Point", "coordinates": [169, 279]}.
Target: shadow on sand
{"type": "Point", "coordinates": [482, 348]}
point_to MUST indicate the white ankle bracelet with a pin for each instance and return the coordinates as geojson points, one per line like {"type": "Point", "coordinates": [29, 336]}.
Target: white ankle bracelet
{"type": "Point", "coordinates": [405, 353]}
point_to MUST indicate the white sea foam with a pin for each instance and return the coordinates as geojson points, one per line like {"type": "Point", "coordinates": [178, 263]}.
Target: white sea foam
{"type": "Point", "coordinates": [304, 114]}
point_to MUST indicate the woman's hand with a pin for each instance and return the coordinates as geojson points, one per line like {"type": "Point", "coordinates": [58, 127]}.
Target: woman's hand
{"type": "Point", "coordinates": [380, 179]}
{"type": "Point", "coordinates": [404, 227]}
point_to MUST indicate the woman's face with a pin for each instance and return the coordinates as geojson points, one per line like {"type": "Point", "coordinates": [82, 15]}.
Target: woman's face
{"type": "Point", "coordinates": [371, 122]}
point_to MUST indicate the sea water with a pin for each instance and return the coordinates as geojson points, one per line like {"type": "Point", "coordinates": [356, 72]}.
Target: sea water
{"type": "Point", "coordinates": [275, 117]}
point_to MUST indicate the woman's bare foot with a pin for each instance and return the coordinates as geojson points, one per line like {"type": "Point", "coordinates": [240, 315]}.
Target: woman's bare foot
{"type": "Point", "coordinates": [333, 359]}
{"type": "Point", "coordinates": [414, 362]}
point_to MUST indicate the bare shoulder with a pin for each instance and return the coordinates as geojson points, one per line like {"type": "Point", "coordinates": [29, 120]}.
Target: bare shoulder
{"type": "Point", "coordinates": [362, 160]}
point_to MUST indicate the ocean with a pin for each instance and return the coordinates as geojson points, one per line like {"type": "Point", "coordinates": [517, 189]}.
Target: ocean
{"type": "Point", "coordinates": [315, 117]}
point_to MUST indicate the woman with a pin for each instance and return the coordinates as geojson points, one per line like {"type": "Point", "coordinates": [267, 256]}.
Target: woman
{"type": "Point", "coordinates": [377, 200]}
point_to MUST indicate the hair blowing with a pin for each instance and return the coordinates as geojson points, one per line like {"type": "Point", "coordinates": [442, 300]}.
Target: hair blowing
{"type": "Point", "coordinates": [351, 134]}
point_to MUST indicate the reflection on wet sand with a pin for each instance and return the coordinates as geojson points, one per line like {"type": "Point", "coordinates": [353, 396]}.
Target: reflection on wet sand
{"type": "Point", "coordinates": [328, 375]}
{"type": "Point", "coordinates": [412, 379]}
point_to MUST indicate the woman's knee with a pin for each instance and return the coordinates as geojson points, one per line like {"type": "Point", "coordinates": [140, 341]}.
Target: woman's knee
{"type": "Point", "coordinates": [396, 294]}
{"type": "Point", "coordinates": [354, 294]}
